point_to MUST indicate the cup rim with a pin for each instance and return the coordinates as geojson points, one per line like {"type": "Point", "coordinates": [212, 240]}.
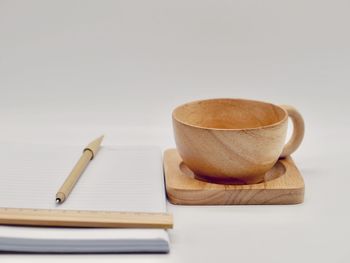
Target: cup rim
{"type": "Point", "coordinates": [230, 129]}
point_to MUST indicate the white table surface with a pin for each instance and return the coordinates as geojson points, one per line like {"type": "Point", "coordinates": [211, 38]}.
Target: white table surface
{"type": "Point", "coordinates": [315, 230]}
{"type": "Point", "coordinates": [71, 70]}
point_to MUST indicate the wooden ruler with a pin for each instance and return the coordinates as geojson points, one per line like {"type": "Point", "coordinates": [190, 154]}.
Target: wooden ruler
{"type": "Point", "coordinates": [83, 218]}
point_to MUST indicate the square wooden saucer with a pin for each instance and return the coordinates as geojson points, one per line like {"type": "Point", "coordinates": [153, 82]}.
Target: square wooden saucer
{"type": "Point", "coordinates": [283, 185]}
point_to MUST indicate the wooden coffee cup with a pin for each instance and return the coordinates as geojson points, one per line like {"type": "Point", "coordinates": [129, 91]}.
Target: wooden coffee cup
{"type": "Point", "coordinates": [234, 141]}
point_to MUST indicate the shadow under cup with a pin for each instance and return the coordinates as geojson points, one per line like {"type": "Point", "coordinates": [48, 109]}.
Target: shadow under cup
{"type": "Point", "coordinates": [230, 141]}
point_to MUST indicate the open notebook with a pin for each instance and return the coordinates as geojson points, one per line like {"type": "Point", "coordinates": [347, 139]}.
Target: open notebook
{"type": "Point", "coordinates": [118, 179]}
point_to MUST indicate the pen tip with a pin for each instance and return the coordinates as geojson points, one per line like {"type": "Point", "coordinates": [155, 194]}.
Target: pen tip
{"type": "Point", "coordinates": [98, 140]}
{"type": "Point", "coordinates": [58, 200]}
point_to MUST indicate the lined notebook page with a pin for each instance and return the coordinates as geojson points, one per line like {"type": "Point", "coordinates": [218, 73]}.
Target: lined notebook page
{"type": "Point", "coordinates": [118, 178]}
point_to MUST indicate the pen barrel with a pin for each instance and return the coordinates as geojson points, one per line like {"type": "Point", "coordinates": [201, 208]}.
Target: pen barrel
{"type": "Point", "coordinates": [74, 175]}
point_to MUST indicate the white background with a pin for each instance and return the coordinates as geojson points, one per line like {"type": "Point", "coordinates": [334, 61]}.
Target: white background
{"type": "Point", "coordinates": [71, 70]}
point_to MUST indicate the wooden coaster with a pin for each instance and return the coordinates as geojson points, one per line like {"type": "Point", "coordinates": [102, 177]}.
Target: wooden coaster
{"type": "Point", "coordinates": [283, 185]}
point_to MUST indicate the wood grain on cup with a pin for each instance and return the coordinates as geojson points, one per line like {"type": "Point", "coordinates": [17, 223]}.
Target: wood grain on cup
{"type": "Point", "coordinates": [231, 140]}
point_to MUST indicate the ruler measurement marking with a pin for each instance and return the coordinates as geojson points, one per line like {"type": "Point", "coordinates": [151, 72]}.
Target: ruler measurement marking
{"type": "Point", "coordinates": [84, 218]}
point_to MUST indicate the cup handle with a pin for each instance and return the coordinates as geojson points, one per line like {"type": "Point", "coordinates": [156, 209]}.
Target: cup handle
{"type": "Point", "coordinates": [298, 131]}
